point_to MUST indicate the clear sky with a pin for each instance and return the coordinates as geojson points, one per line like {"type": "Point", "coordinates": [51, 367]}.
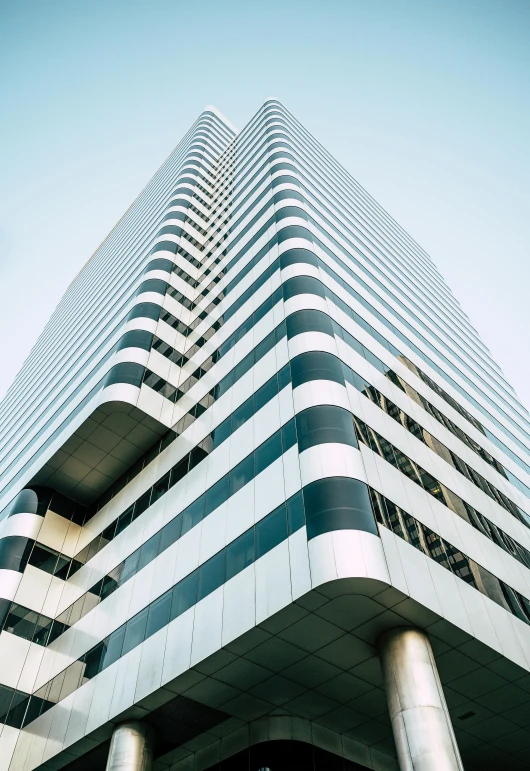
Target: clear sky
{"type": "Point", "coordinates": [425, 102]}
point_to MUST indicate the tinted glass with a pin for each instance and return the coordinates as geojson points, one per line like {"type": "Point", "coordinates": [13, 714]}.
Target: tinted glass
{"type": "Point", "coordinates": [338, 504]}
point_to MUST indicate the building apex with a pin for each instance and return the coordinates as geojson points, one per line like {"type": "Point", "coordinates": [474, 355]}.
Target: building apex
{"type": "Point", "coordinates": [221, 116]}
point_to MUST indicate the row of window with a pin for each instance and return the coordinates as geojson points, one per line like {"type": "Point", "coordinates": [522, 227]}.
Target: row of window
{"type": "Point", "coordinates": [304, 284]}
{"type": "Point", "coordinates": [174, 394]}
{"type": "Point", "coordinates": [350, 212]}
{"type": "Point", "coordinates": [285, 154]}
{"type": "Point", "coordinates": [392, 349]}
{"type": "Point", "coordinates": [404, 320]}
{"type": "Point", "coordinates": [299, 255]}
{"type": "Point", "coordinates": [328, 504]}
{"type": "Point", "coordinates": [441, 551]}
{"type": "Point", "coordinates": [426, 379]}
{"type": "Point", "coordinates": [43, 630]}
{"type": "Point", "coordinates": [253, 544]}
{"type": "Point", "coordinates": [213, 440]}
{"type": "Point", "coordinates": [293, 194]}
{"type": "Point", "coordinates": [304, 217]}
{"type": "Point", "coordinates": [22, 471]}
{"type": "Point", "coordinates": [140, 338]}
{"type": "Point", "coordinates": [434, 487]}
{"type": "Point", "coordinates": [304, 233]}
{"type": "Point", "coordinates": [317, 425]}
{"type": "Point", "coordinates": [436, 446]}
{"type": "Point", "coordinates": [315, 321]}
{"type": "Point", "coordinates": [351, 219]}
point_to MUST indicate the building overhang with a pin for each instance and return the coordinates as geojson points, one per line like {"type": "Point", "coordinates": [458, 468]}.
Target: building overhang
{"type": "Point", "coordinates": [108, 442]}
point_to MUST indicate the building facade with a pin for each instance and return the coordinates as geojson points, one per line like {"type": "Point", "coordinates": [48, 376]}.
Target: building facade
{"type": "Point", "coordinates": [264, 494]}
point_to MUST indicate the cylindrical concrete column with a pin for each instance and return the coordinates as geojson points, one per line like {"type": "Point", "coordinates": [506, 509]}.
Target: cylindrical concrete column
{"type": "Point", "coordinates": [130, 748]}
{"type": "Point", "coordinates": [421, 724]}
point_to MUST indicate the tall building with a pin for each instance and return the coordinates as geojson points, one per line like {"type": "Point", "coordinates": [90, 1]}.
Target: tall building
{"type": "Point", "coordinates": [264, 492]}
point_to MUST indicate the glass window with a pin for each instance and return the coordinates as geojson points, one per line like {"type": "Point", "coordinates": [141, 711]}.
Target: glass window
{"type": "Point", "coordinates": [130, 566]}
{"type": "Point", "coordinates": [240, 554]}
{"type": "Point", "coordinates": [216, 495]}
{"type": "Point", "coordinates": [338, 504]}
{"type": "Point", "coordinates": [114, 647]}
{"type": "Point", "coordinates": [295, 513]}
{"type": "Point", "coordinates": [126, 372]}
{"type": "Point", "coordinates": [264, 347]}
{"type": "Point", "coordinates": [264, 394]}
{"type": "Point", "coordinates": [13, 549]}
{"type": "Point", "coordinates": [211, 575]}
{"type": "Point", "coordinates": [193, 514]}
{"type": "Point", "coordinates": [324, 424]}
{"type": "Point", "coordinates": [160, 488]}
{"type": "Point", "coordinates": [148, 551]}
{"type": "Point", "coordinates": [243, 367]}
{"type": "Point", "coordinates": [221, 433]}
{"type": "Point", "coordinates": [158, 614]}
{"type": "Point", "coordinates": [241, 474]}
{"type": "Point", "coordinates": [296, 256]}
{"type": "Point", "coordinates": [142, 503]}
{"type": "Point", "coordinates": [303, 285]}
{"type": "Point", "coordinates": [308, 321]}
{"type": "Point", "coordinates": [288, 432]}
{"type": "Point", "coordinates": [284, 377]}
{"type": "Point", "coordinates": [93, 661]}
{"type": "Point", "coordinates": [316, 365]}
{"type": "Point", "coordinates": [145, 310]}
{"type": "Point", "coordinates": [179, 471]}
{"type": "Point", "coordinates": [184, 595]}
{"type": "Point", "coordinates": [135, 631]}
{"type": "Point", "coordinates": [170, 533]}
{"type": "Point", "coordinates": [271, 531]}
{"type": "Point", "coordinates": [268, 452]}
{"type": "Point", "coordinates": [242, 414]}
{"type": "Point", "coordinates": [136, 338]}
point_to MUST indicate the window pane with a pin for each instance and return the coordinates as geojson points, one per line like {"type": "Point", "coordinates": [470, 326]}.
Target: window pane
{"type": "Point", "coordinates": [170, 533]}
{"type": "Point", "coordinates": [264, 394]}
{"type": "Point", "coordinates": [241, 474]}
{"type": "Point", "coordinates": [193, 514]}
{"type": "Point", "coordinates": [149, 551]}
{"type": "Point", "coordinates": [158, 614]}
{"type": "Point", "coordinates": [268, 452]}
{"type": "Point", "coordinates": [211, 575]}
{"type": "Point", "coordinates": [288, 435]}
{"type": "Point", "coordinates": [324, 424]}
{"type": "Point", "coordinates": [130, 567]}
{"type": "Point", "coordinates": [240, 554]}
{"type": "Point", "coordinates": [160, 488]}
{"type": "Point", "coordinates": [93, 661]}
{"type": "Point", "coordinates": [221, 433]}
{"type": "Point", "coordinates": [134, 631]}
{"type": "Point", "coordinates": [338, 504]}
{"type": "Point", "coordinates": [216, 495]}
{"type": "Point", "coordinates": [295, 513]}
{"type": "Point", "coordinates": [316, 365]}
{"type": "Point", "coordinates": [242, 414]}
{"type": "Point", "coordinates": [184, 595]}
{"type": "Point", "coordinates": [271, 531]}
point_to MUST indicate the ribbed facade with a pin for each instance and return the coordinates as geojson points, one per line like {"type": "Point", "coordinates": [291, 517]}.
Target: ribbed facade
{"type": "Point", "coordinates": [257, 436]}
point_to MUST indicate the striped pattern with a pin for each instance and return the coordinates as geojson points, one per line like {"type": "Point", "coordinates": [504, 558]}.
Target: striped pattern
{"type": "Point", "coordinates": [284, 404]}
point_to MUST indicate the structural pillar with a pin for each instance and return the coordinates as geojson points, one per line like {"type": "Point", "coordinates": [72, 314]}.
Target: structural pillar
{"type": "Point", "coordinates": [131, 748]}
{"type": "Point", "coordinates": [421, 724]}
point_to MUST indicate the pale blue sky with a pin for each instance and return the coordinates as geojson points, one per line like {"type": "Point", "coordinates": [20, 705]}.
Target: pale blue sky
{"type": "Point", "coordinates": [425, 102]}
